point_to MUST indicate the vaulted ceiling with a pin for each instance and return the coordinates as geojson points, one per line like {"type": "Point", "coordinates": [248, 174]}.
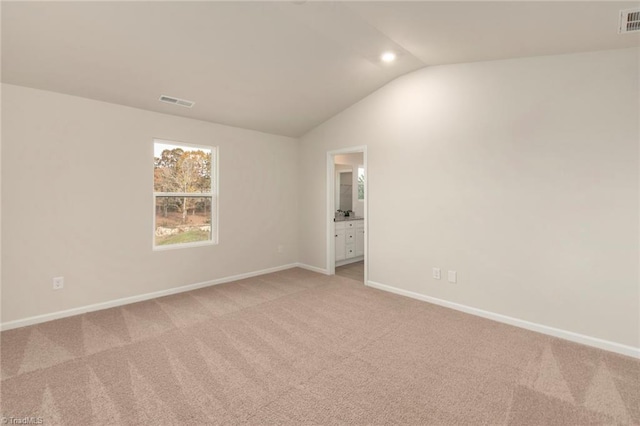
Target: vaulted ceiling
{"type": "Point", "coordinates": [276, 67]}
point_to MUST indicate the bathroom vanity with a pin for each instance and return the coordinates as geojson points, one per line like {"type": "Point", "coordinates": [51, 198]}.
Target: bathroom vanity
{"type": "Point", "coordinates": [349, 238]}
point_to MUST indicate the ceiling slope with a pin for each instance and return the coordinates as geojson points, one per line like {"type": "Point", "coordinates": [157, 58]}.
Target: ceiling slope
{"type": "Point", "coordinates": [276, 67]}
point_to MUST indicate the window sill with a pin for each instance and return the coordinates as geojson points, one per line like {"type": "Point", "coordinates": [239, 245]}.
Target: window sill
{"type": "Point", "coordinates": [184, 245]}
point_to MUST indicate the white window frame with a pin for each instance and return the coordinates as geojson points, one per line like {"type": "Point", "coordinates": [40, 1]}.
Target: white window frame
{"type": "Point", "coordinates": [214, 194]}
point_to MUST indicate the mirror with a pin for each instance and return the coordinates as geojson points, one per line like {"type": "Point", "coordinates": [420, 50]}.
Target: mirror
{"type": "Point", "coordinates": [346, 191]}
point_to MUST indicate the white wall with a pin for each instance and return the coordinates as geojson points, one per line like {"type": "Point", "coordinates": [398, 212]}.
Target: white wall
{"type": "Point", "coordinates": [522, 175]}
{"type": "Point", "coordinates": [77, 182]}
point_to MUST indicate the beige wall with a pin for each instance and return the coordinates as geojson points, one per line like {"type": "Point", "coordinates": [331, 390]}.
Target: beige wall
{"type": "Point", "coordinates": [523, 177]}
{"type": "Point", "coordinates": [77, 180]}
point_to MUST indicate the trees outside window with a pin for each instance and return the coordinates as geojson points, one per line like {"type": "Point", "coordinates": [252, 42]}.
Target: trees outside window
{"type": "Point", "coordinates": [360, 183]}
{"type": "Point", "coordinates": [184, 194]}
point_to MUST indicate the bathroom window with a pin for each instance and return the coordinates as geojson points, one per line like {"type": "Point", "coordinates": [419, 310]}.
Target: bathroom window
{"type": "Point", "coordinates": [185, 195]}
{"type": "Point", "coordinates": [360, 183]}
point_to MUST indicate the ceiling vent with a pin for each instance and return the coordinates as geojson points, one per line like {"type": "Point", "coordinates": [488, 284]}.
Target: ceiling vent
{"type": "Point", "coordinates": [176, 101]}
{"type": "Point", "coordinates": [629, 21]}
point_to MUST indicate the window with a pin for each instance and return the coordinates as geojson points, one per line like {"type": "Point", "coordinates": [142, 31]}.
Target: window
{"type": "Point", "coordinates": [185, 185]}
{"type": "Point", "coordinates": [360, 183]}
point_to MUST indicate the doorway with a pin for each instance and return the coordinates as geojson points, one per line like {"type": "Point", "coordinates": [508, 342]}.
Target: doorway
{"type": "Point", "coordinates": [347, 213]}
{"type": "Point", "coordinates": [353, 271]}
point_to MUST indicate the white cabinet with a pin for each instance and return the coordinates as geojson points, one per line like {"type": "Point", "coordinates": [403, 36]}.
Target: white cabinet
{"type": "Point", "coordinates": [340, 244]}
{"type": "Point", "coordinates": [351, 224]}
{"type": "Point", "coordinates": [351, 251]}
{"type": "Point", "coordinates": [349, 237]}
{"type": "Point", "coordinates": [350, 243]}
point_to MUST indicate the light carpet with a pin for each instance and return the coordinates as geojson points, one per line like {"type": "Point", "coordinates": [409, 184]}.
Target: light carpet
{"type": "Point", "coordinates": [296, 347]}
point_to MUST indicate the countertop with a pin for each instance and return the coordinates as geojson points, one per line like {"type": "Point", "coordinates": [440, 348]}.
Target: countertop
{"type": "Point", "coordinates": [346, 219]}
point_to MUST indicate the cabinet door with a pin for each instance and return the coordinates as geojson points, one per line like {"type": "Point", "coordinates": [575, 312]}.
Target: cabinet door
{"type": "Point", "coordinates": [340, 245]}
{"type": "Point", "coordinates": [360, 242]}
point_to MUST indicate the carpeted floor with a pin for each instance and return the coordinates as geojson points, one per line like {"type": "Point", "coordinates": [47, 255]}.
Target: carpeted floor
{"type": "Point", "coordinates": [295, 347]}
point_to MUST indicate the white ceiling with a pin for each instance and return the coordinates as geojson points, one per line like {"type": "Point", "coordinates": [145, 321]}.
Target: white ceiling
{"type": "Point", "coordinates": [282, 67]}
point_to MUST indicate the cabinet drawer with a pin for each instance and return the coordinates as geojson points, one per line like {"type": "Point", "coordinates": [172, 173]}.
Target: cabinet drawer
{"type": "Point", "coordinates": [350, 225]}
{"type": "Point", "coordinates": [350, 236]}
{"type": "Point", "coordinates": [351, 251]}
{"type": "Point", "coordinates": [339, 225]}
{"type": "Point", "coordinates": [360, 224]}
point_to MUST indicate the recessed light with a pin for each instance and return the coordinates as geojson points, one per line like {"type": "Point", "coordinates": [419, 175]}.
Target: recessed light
{"type": "Point", "coordinates": [388, 57]}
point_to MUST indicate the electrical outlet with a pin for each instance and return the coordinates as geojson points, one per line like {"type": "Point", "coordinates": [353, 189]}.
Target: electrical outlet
{"type": "Point", "coordinates": [436, 273]}
{"type": "Point", "coordinates": [58, 283]}
{"type": "Point", "coordinates": [453, 276]}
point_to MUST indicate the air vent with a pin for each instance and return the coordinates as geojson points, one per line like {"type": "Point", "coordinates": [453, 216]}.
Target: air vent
{"type": "Point", "coordinates": [629, 21]}
{"type": "Point", "coordinates": [176, 101]}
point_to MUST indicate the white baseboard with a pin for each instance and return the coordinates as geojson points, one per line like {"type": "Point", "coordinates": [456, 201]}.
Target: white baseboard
{"type": "Point", "coordinates": [312, 268]}
{"type": "Point", "coordinates": [133, 299]}
{"type": "Point", "coordinates": [544, 329]}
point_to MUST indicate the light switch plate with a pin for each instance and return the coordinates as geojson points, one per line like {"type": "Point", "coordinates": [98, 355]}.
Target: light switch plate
{"type": "Point", "coordinates": [436, 273]}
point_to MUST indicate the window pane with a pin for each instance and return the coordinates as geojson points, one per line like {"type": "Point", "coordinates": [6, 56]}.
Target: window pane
{"type": "Point", "coordinates": [179, 168]}
{"type": "Point", "coordinates": [182, 220]}
{"type": "Point", "coordinates": [360, 183]}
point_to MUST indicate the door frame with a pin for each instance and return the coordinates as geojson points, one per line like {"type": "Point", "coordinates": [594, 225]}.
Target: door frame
{"type": "Point", "coordinates": [331, 208]}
